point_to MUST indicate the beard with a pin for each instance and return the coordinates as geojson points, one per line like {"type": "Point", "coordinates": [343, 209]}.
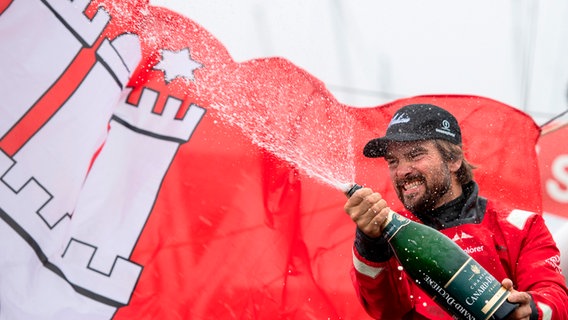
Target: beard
{"type": "Point", "coordinates": [434, 189]}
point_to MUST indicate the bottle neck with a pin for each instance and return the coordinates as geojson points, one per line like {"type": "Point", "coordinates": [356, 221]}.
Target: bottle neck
{"type": "Point", "coordinates": [393, 224]}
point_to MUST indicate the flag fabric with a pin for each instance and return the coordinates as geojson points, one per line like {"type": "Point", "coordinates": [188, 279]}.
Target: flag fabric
{"type": "Point", "coordinates": [147, 175]}
{"type": "Point", "coordinates": [553, 161]}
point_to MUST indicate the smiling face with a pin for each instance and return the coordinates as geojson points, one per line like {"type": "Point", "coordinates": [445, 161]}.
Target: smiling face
{"type": "Point", "coordinates": [421, 178]}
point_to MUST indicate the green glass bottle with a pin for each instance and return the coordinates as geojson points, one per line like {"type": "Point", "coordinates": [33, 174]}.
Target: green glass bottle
{"type": "Point", "coordinates": [441, 268]}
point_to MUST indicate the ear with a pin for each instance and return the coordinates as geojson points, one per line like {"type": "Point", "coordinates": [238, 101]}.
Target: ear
{"type": "Point", "coordinates": [455, 165]}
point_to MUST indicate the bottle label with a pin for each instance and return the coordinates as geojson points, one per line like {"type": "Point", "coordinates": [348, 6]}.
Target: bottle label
{"type": "Point", "coordinates": [472, 292]}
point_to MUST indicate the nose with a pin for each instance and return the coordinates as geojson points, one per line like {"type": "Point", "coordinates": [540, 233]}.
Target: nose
{"type": "Point", "coordinates": [402, 169]}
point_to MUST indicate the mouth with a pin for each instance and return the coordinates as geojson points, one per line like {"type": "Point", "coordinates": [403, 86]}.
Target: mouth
{"type": "Point", "coordinates": [412, 185]}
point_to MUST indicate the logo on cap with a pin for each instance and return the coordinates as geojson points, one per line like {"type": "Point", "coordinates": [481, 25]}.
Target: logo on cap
{"type": "Point", "coordinates": [399, 118]}
{"type": "Point", "coordinates": [445, 129]}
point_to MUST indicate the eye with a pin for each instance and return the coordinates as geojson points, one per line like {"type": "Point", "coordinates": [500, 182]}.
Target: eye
{"type": "Point", "coordinates": [416, 154]}
{"type": "Point", "coordinates": [391, 162]}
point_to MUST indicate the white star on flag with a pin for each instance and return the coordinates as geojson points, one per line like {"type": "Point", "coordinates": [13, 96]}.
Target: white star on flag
{"type": "Point", "coordinates": [177, 64]}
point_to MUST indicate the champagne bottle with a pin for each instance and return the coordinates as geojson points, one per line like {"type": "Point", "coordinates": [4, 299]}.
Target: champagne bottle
{"type": "Point", "coordinates": [441, 268]}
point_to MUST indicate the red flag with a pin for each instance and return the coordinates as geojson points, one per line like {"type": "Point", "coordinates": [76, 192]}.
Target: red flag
{"type": "Point", "coordinates": [553, 157]}
{"type": "Point", "coordinates": [146, 175]}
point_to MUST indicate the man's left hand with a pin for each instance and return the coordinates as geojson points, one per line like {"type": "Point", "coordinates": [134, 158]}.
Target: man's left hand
{"type": "Point", "coordinates": [523, 311]}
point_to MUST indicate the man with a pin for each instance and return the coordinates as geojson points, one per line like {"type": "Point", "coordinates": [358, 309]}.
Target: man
{"type": "Point", "coordinates": [434, 181]}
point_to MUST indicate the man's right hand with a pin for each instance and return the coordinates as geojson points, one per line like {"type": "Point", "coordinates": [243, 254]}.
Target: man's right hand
{"type": "Point", "coordinates": [368, 210]}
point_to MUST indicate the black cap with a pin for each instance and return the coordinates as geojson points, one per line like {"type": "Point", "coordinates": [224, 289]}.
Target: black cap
{"type": "Point", "coordinates": [416, 122]}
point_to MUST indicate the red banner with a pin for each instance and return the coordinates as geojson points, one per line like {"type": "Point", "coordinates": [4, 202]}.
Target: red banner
{"type": "Point", "coordinates": [147, 175]}
{"type": "Point", "coordinates": [553, 158]}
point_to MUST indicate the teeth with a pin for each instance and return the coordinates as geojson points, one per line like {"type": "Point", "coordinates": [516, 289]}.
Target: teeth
{"type": "Point", "coordinates": [412, 185]}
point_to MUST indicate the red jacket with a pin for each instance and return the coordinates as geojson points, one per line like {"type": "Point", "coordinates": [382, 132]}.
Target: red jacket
{"type": "Point", "coordinates": [507, 243]}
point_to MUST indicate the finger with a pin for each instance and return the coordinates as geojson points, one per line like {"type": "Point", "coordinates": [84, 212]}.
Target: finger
{"type": "Point", "coordinates": [380, 205]}
{"type": "Point", "coordinates": [520, 297]}
{"type": "Point", "coordinates": [507, 284]}
{"type": "Point", "coordinates": [372, 212]}
{"type": "Point", "coordinates": [367, 209]}
{"type": "Point", "coordinates": [361, 194]}
{"type": "Point", "coordinates": [357, 198]}
{"type": "Point", "coordinates": [380, 216]}
{"type": "Point", "coordinates": [372, 227]}
{"type": "Point", "coordinates": [362, 214]}
{"type": "Point", "coordinates": [524, 310]}
{"type": "Point", "coordinates": [371, 205]}
{"type": "Point", "coordinates": [366, 218]}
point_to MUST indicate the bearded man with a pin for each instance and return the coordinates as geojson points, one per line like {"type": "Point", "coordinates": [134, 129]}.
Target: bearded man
{"type": "Point", "coordinates": [434, 181]}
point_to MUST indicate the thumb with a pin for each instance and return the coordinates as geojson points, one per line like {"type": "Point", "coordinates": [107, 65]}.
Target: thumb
{"type": "Point", "coordinates": [507, 284]}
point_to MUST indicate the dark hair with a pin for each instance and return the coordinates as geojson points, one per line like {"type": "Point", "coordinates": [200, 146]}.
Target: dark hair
{"type": "Point", "coordinates": [452, 152]}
